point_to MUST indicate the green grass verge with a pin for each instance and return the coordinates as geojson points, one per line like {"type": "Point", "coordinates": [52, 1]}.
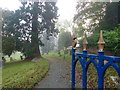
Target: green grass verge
{"type": "Point", "coordinates": [24, 74]}
{"type": "Point", "coordinates": [92, 73]}
{"type": "Point", "coordinates": [56, 55]}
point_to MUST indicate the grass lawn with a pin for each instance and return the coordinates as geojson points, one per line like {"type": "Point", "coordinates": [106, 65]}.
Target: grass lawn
{"type": "Point", "coordinates": [23, 74]}
{"type": "Point", "coordinates": [92, 73]}
{"type": "Point", "coordinates": [56, 55]}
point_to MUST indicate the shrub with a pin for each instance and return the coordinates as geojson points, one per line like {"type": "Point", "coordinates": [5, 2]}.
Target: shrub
{"type": "Point", "coordinates": [111, 38]}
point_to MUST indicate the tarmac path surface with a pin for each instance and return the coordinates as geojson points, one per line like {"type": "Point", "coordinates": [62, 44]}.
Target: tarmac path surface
{"type": "Point", "coordinates": [59, 75]}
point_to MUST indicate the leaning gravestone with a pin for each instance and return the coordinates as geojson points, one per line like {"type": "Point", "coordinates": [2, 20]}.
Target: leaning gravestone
{"type": "Point", "coordinates": [3, 59]}
{"type": "Point", "coordinates": [35, 60]}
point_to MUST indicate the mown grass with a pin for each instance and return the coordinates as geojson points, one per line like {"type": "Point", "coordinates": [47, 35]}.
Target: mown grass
{"type": "Point", "coordinates": [24, 74]}
{"type": "Point", "coordinates": [63, 56]}
{"type": "Point", "coordinates": [92, 73]}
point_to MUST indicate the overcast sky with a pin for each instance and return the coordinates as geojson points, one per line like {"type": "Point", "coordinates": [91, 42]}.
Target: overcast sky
{"type": "Point", "coordinates": [66, 7]}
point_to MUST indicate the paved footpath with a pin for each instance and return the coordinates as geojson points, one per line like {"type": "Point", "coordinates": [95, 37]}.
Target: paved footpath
{"type": "Point", "coordinates": [59, 75]}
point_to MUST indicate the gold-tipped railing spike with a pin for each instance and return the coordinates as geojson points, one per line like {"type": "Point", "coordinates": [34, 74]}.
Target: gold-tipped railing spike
{"type": "Point", "coordinates": [74, 41]}
{"type": "Point", "coordinates": [101, 42]}
{"type": "Point", "coordinates": [85, 43]}
{"type": "Point", "coordinates": [74, 36]}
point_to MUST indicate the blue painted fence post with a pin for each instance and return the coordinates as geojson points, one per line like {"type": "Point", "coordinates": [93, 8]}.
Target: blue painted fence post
{"type": "Point", "coordinates": [73, 68]}
{"type": "Point", "coordinates": [84, 71]}
{"type": "Point", "coordinates": [82, 57]}
{"type": "Point", "coordinates": [100, 71]}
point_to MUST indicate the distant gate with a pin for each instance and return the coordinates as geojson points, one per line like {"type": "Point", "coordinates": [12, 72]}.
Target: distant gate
{"type": "Point", "coordinates": [98, 60]}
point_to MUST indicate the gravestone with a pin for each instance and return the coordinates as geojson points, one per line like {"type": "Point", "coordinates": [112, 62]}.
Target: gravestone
{"type": "Point", "coordinates": [11, 59]}
{"type": "Point", "coordinates": [36, 59]}
{"type": "Point", "coordinates": [21, 57]}
{"type": "Point", "coordinates": [3, 59]}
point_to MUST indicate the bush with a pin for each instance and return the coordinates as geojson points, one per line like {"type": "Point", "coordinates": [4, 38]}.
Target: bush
{"type": "Point", "coordinates": [111, 38]}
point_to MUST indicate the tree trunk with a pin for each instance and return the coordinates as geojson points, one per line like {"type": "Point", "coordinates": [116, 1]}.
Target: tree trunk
{"type": "Point", "coordinates": [34, 37]}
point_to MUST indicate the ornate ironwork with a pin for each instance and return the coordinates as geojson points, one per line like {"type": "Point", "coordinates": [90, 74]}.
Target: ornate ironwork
{"type": "Point", "coordinates": [74, 41]}
{"type": "Point", "coordinates": [85, 43]}
{"type": "Point", "coordinates": [101, 42]}
{"type": "Point", "coordinates": [99, 65]}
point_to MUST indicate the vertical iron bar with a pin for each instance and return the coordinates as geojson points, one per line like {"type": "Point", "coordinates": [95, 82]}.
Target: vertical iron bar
{"type": "Point", "coordinates": [100, 81]}
{"type": "Point", "coordinates": [73, 68]}
{"type": "Point", "coordinates": [84, 78]}
{"type": "Point", "coordinates": [84, 71]}
{"type": "Point", "coordinates": [101, 44]}
{"type": "Point", "coordinates": [100, 71]}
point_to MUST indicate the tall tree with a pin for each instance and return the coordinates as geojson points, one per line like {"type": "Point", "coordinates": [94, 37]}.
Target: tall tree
{"type": "Point", "coordinates": [89, 14]}
{"type": "Point", "coordinates": [34, 35]}
{"type": "Point", "coordinates": [49, 44]}
{"type": "Point", "coordinates": [8, 42]}
{"type": "Point", "coordinates": [94, 16]}
{"type": "Point", "coordinates": [64, 40]}
{"type": "Point", "coordinates": [29, 22]}
{"type": "Point", "coordinates": [8, 45]}
{"type": "Point", "coordinates": [110, 19]}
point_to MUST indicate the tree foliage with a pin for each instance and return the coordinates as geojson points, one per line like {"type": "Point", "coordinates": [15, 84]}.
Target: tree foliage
{"type": "Point", "coordinates": [28, 23]}
{"type": "Point", "coordinates": [89, 14]}
{"type": "Point", "coordinates": [49, 44]}
{"type": "Point", "coordinates": [8, 41]}
{"type": "Point", "coordinates": [8, 45]}
{"type": "Point", "coordinates": [110, 19]}
{"type": "Point", "coordinates": [64, 40]}
{"type": "Point", "coordinates": [94, 16]}
{"type": "Point", "coordinates": [111, 38]}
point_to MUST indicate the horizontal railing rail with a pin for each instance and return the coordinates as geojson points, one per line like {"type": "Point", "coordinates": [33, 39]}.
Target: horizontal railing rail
{"type": "Point", "coordinates": [98, 60]}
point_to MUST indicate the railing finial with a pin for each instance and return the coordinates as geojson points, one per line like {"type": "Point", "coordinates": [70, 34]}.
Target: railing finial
{"type": "Point", "coordinates": [74, 42]}
{"type": "Point", "coordinates": [85, 43]}
{"type": "Point", "coordinates": [101, 42]}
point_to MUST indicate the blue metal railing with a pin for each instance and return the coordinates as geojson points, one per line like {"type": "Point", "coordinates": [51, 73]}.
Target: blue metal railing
{"type": "Point", "coordinates": [85, 59]}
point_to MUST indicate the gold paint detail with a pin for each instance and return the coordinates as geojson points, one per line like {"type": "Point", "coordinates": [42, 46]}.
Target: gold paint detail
{"type": "Point", "coordinates": [85, 43]}
{"type": "Point", "coordinates": [74, 41]}
{"type": "Point", "coordinates": [101, 42]}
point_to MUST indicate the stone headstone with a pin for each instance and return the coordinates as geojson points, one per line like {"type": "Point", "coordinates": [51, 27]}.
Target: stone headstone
{"type": "Point", "coordinates": [3, 59]}
{"type": "Point", "coordinates": [11, 59]}
{"type": "Point", "coordinates": [35, 60]}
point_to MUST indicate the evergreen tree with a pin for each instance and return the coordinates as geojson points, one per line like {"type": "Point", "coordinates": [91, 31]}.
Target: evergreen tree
{"type": "Point", "coordinates": [29, 22]}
